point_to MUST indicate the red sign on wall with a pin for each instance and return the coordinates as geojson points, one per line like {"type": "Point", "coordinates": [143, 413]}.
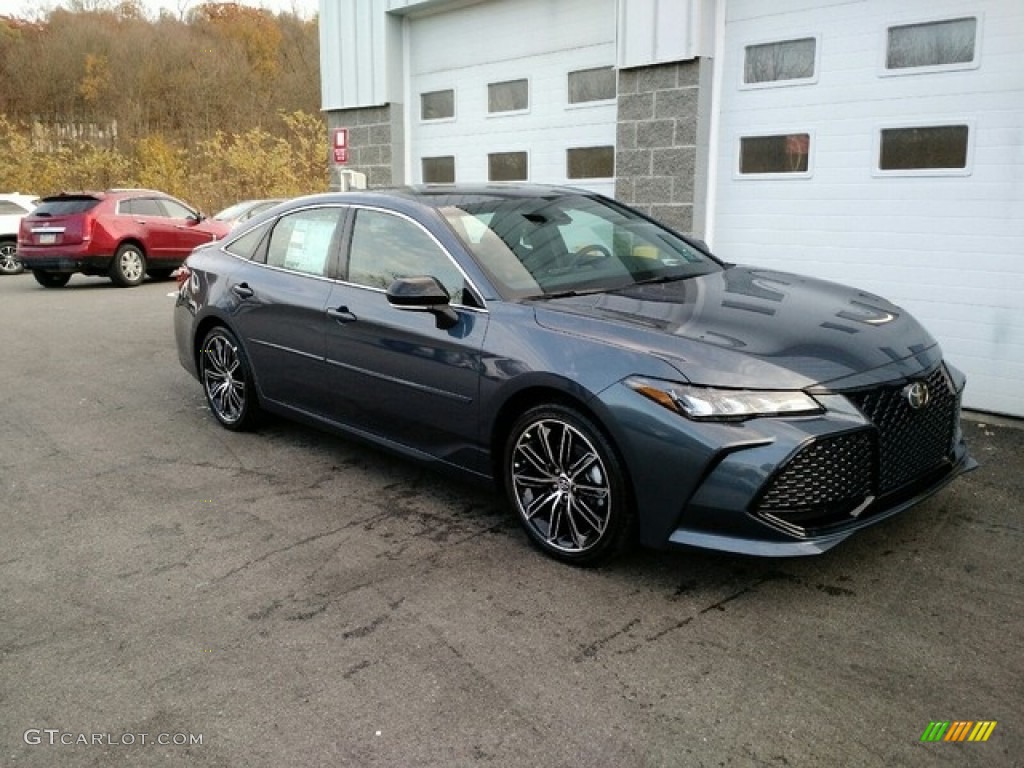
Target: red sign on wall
{"type": "Point", "coordinates": [339, 145]}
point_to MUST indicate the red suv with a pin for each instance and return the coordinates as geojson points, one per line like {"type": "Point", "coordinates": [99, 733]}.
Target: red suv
{"type": "Point", "coordinates": [122, 233]}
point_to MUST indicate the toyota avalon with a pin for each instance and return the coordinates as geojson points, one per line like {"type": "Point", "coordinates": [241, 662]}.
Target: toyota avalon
{"type": "Point", "coordinates": [616, 380]}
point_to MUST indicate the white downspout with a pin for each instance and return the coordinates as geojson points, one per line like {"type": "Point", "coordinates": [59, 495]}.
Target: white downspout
{"type": "Point", "coordinates": [717, 65]}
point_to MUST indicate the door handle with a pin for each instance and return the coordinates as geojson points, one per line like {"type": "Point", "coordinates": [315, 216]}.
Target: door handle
{"type": "Point", "coordinates": [242, 291]}
{"type": "Point", "coordinates": [342, 315]}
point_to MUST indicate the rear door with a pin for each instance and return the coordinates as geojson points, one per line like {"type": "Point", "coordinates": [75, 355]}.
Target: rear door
{"type": "Point", "coordinates": [280, 307]}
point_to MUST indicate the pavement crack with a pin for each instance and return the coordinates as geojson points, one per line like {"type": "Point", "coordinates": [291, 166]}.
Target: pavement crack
{"type": "Point", "coordinates": [279, 550]}
{"type": "Point", "coordinates": [591, 650]}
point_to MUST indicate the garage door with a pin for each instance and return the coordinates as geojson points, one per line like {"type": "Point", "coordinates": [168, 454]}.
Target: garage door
{"type": "Point", "coordinates": [514, 90]}
{"type": "Point", "coordinates": [879, 144]}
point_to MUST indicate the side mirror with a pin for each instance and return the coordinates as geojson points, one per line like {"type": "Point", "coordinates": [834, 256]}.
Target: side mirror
{"type": "Point", "coordinates": [423, 294]}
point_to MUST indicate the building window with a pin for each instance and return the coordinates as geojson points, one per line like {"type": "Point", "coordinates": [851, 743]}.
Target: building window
{"type": "Point", "coordinates": [942, 147]}
{"type": "Point", "coordinates": [437, 105]}
{"type": "Point", "coordinates": [590, 163]}
{"type": "Point", "coordinates": [509, 96]}
{"type": "Point", "coordinates": [950, 43]}
{"type": "Point", "coordinates": [784, 153]}
{"type": "Point", "coordinates": [507, 166]}
{"type": "Point", "coordinates": [592, 85]}
{"type": "Point", "coordinates": [439, 170]}
{"type": "Point", "coordinates": [786, 60]}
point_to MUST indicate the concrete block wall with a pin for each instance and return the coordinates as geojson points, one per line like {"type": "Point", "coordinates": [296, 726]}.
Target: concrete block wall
{"type": "Point", "coordinates": [375, 144]}
{"type": "Point", "coordinates": [656, 141]}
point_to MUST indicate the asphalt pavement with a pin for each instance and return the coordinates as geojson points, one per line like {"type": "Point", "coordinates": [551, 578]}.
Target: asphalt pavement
{"type": "Point", "coordinates": [175, 594]}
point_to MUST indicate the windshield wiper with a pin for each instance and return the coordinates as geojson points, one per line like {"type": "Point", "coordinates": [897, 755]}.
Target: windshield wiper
{"type": "Point", "coordinates": [660, 279]}
{"type": "Point", "coordinates": [568, 294]}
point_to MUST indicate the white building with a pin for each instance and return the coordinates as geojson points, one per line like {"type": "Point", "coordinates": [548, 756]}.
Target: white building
{"type": "Point", "coordinates": [872, 142]}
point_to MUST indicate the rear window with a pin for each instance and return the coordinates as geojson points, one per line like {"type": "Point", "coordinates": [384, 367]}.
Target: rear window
{"type": "Point", "coordinates": [62, 206]}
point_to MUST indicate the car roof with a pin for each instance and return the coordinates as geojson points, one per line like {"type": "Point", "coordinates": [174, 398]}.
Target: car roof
{"type": "Point", "coordinates": [100, 195]}
{"type": "Point", "coordinates": [439, 195]}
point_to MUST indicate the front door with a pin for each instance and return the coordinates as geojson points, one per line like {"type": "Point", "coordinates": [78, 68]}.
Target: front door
{"type": "Point", "coordinates": [395, 373]}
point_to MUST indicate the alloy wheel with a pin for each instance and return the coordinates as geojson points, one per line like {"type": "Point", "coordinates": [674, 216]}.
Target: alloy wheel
{"type": "Point", "coordinates": [9, 263]}
{"type": "Point", "coordinates": [561, 486]}
{"type": "Point", "coordinates": [224, 379]}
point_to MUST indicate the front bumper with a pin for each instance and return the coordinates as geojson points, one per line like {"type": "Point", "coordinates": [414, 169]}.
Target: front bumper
{"type": "Point", "coordinates": [788, 486]}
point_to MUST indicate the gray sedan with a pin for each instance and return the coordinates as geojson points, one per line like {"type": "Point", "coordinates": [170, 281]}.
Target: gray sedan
{"type": "Point", "coordinates": [616, 380]}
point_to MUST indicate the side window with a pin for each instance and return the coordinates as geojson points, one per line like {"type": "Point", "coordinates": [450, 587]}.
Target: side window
{"type": "Point", "coordinates": [303, 241]}
{"type": "Point", "coordinates": [248, 245]}
{"type": "Point", "coordinates": [176, 210]}
{"type": "Point", "coordinates": [145, 206]}
{"type": "Point", "coordinates": [386, 247]}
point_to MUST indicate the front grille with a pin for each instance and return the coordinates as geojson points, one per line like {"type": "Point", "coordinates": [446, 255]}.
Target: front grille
{"type": "Point", "coordinates": [911, 442]}
{"type": "Point", "coordinates": [830, 480]}
{"type": "Point", "coordinates": [826, 472]}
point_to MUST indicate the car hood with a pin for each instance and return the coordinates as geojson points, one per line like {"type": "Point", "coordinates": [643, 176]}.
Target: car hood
{"type": "Point", "coordinates": [754, 328]}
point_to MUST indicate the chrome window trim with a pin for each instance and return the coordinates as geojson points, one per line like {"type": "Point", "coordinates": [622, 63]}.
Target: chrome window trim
{"type": "Point", "coordinates": [336, 280]}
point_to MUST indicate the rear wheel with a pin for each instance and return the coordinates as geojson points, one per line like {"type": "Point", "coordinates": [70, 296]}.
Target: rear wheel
{"type": "Point", "coordinates": [568, 486]}
{"type": "Point", "coordinates": [227, 380]}
{"type": "Point", "coordinates": [51, 279]}
{"type": "Point", "coordinates": [9, 264]}
{"type": "Point", "coordinates": [128, 268]}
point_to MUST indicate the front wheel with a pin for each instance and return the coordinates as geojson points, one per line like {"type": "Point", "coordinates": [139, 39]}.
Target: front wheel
{"type": "Point", "coordinates": [568, 486]}
{"type": "Point", "coordinates": [227, 380]}
{"type": "Point", "coordinates": [9, 263]}
{"type": "Point", "coordinates": [51, 279]}
{"type": "Point", "coordinates": [128, 268]}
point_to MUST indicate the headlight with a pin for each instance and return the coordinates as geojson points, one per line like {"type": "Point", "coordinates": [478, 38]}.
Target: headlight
{"type": "Point", "coordinates": [705, 403]}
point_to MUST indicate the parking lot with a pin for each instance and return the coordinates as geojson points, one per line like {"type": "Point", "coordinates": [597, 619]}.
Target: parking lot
{"type": "Point", "coordinates": [289, 598]}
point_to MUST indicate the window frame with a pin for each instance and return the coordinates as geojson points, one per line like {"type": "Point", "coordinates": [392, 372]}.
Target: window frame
{"type": "Point", "coordinates": [570, 104]}
{"type": "Point", "coordinates": [885, 71]}
{"type": "Point", "coordinates": [434, 120]}
{"type": "Point", "coordinates": [968, 169]}
{"type": "Point", "coordinates": [455, 168]}
{"type": "Point", "coordinates": [346, 250]}
{"type": "Point", "coordinates": [789, 38]}
{"type": "Point", "coordinates": [774, 175]}
{"type": "Point", "coordinates": [509, 152]}
{"type": "Point", "coordinates": [589, 178]}
{"type": "Point", "coordinates": [259, 255]}
{"type": "Point", "coordinates": [510, 112]}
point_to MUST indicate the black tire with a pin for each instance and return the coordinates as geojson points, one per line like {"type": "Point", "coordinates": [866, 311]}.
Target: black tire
{"type": "Point", "coordinates": [51, 279]}
{"type": "Point", "coordinates": [227, 381]}
{"type": "Point", "coordinates": [128, 268]}
{"type": "Point", "coordinates": [160, 274]}
{"type": "Point", "coordinates": [9, 263]}
{"type": "Point", "coordinates": [568, 486]}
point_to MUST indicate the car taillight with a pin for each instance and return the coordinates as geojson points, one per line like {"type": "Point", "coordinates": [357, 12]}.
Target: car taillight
{"type": "Point", "coordinates": [182, 275]}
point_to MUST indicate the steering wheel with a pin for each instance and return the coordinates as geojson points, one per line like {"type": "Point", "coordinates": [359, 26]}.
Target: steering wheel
{"type": "Point", "coordinates": [589, 255]}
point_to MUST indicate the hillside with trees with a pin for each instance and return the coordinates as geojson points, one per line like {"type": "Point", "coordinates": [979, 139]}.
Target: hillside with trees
{"type": "Point", "coordinates": [217, 104]}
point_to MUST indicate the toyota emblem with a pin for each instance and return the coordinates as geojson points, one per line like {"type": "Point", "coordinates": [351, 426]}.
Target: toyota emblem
{"type": "Point", "coordinates": [917, 395]}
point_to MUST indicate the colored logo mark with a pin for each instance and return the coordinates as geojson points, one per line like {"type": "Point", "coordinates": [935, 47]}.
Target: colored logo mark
{"type": "Point", "coordinates": [958, 730]}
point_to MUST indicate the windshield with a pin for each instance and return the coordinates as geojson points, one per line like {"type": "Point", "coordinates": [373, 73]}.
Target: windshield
{"type": "Point", "coordinates": [537, 247]}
